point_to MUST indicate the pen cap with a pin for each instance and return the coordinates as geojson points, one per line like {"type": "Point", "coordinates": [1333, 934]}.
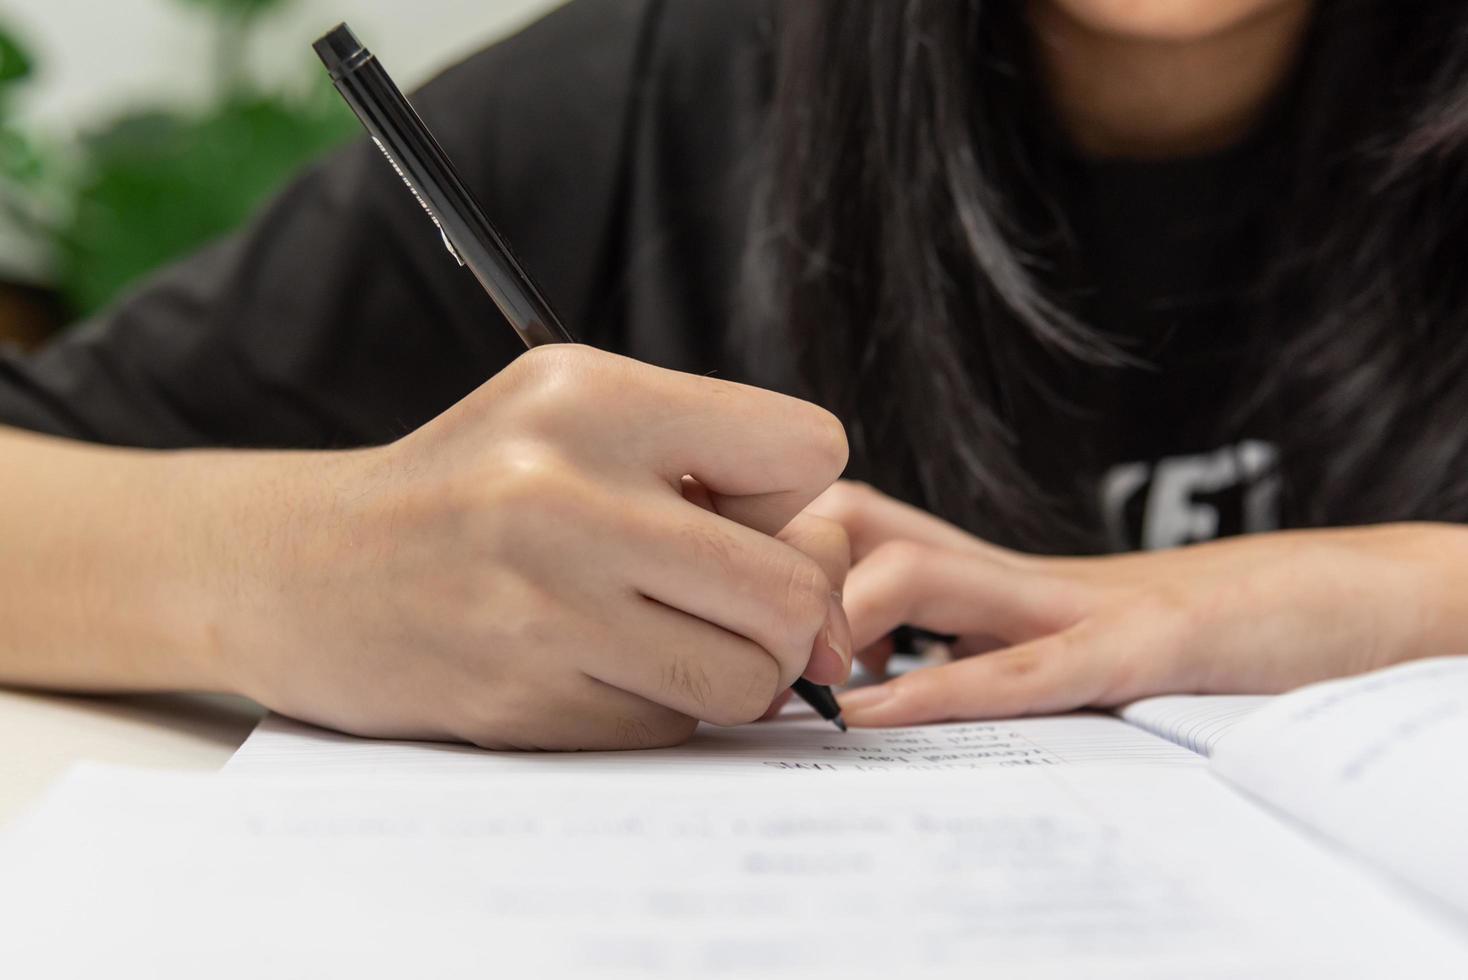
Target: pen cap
{"type": "Point", "coordinates": [340, 51]}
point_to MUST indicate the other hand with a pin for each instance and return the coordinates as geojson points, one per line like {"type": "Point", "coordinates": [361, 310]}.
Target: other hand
{"type": "Point", "coordinates": [1259, 614]}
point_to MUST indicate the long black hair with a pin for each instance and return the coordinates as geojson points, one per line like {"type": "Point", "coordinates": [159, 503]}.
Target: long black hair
{"type": "Point", "coordinates": [909, 238]}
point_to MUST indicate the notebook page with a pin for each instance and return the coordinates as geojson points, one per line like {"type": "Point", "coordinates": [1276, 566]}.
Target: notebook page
{"type": "Point", "coordinates": [1030, 873]}
{"type": "Point", "coordinates": [797, 742]}
{"type": "Point", "coordinates": [1194, 721]}
{"type": "Point", "coordinates": [1376, 763]}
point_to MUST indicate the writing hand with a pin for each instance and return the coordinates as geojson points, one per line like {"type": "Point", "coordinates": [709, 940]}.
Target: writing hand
{"type": "Point", "coordinates": [532, 569]}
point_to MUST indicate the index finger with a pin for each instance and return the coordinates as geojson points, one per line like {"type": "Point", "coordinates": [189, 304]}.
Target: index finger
{"type": "Point", "coordinates": [1047, 676]}
{"type": "Point", "coordinates": [1096, 663]}
{"type": "Point", "coordinates": [872, 519]}
{"type": "Point", "coordinates": [958, 593]}
{"type": "Point", "coordinates": [764, 456]}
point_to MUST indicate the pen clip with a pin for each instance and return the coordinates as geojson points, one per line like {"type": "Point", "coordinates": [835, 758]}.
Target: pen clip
{"type": "Point", "coordinates": [448, 244]}
{"type": "Point", "coordinates": [421, 202]}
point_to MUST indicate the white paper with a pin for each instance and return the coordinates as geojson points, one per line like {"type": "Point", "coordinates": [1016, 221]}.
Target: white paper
{"type": "Point", "coordinates": [1195, 721]}
{"type": "Point", "coordinates": [1375, 762]}
{"type": "Point", "coordinates": [1038, 872]}
{"type": "Point", "coordinates": [796, 743]}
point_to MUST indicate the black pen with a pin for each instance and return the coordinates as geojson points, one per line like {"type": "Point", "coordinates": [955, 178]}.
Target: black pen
{"type": "Point", "coordinates": [467, 233]}
{"type": "Point", "coordinates": [819, 696]}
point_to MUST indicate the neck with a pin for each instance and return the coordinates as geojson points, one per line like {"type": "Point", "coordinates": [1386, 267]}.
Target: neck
{"type": "Point", "coordinates": [1120, 96]}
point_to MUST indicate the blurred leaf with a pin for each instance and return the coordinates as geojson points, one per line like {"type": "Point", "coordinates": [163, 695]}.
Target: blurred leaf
{"type": "Point", "coordinates": [28, 194]}
{"type": "Point", "coordinates": [159, 184]}
{"type": "Point", "coordinates": [20, 160]}
{"type": "Point", "coordinates": [15, 64]}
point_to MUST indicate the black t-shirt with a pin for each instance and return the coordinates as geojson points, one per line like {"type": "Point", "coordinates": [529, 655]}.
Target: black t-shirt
{"type": "Point", "coordinates": [1169, 253]}
{"type": "Point", "coordinates": [616, 143]}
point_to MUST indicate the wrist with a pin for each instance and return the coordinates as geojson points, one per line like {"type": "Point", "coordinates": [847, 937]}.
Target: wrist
{"type": "Point", "coordinates": [260, 523]}
{"type": "Point", "coordinates": [193, 516]}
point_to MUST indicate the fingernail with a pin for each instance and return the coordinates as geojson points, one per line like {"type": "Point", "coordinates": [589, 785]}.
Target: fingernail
{"type": "Point", "coordinates": [826, 665]}
{"type": "Point", "coordinates": [864, 697]}
{"type": "Point", "coordinates": [830, 658]}
{"type": "Point", "coordinates": [838, 633]}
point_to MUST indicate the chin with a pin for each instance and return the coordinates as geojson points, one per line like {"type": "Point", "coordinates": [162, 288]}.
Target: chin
{"type": "Point", "coordinates": [1168, 20]}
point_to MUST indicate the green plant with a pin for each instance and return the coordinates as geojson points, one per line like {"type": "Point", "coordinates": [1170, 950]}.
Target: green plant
{"type": "Point", "coordinates": [157, 182]}
{"type": "Point", "coordinates": [22, 163]}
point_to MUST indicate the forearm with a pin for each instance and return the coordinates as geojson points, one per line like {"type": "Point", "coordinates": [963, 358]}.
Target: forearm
{"type": "Point", "coordinates": [115, 565]}
{"type": "Point", "coordinates": [1441, 551]}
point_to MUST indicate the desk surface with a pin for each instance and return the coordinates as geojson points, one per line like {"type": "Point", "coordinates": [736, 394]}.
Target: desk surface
{"type": "Point", "coordinates": [41, 735]}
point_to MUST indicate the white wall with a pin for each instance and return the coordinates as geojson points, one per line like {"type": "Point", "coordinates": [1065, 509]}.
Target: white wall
{"type": "Point", "coordinates": [100, 55]}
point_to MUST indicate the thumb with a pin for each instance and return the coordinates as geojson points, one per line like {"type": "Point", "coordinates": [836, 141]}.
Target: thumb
{"type": "Point", "coordinates": [825, 542]}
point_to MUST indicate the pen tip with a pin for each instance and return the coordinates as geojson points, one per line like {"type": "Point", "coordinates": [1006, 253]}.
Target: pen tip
{"type": "Point", "coordinates": [839, 722]}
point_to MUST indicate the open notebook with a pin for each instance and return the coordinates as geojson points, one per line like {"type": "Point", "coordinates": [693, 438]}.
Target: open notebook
{"type": "Point", "coordinates": [1324, 837]}
{"type": "Point", "coordinates": [1351, 759]}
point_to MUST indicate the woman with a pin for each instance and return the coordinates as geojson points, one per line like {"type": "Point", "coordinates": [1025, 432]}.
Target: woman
{"type": "Point", "coordinates": [1076, 275]}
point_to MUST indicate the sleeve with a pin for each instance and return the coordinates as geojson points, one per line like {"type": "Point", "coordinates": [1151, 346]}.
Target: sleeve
{"type": "Point", "coordinates": [337, 318]}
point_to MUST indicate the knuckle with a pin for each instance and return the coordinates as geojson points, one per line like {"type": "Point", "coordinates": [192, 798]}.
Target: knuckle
{"type": "Point", "coordinates": [901, 561]}
{"type": "Point", "coordinates": [685, 679]}
{"type": "Point", "coordinates": [654, 730]}
{"type": "Point", "coordinates": [703, 541]}
{"type": "Point", "coordinates": [635, 733]}
{"type": "Point", "coordinates": [532, 479]}
{"type": "Point", "coordinates": [555, 362]}
{"type": "Point", "coordinates": [821, 437]}
{"type": "Point", "coordinates": [827, 442]}
{"type": "Point", "coordinates": [847, 502]}
{"type": "Point", "coordinates": [548, 381]}
{"type": "Point", "coordinates": [748, 702]}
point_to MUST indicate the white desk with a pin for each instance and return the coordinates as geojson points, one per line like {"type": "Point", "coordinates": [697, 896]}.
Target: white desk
{"type": "Point", "coordinates": [41, 735]}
